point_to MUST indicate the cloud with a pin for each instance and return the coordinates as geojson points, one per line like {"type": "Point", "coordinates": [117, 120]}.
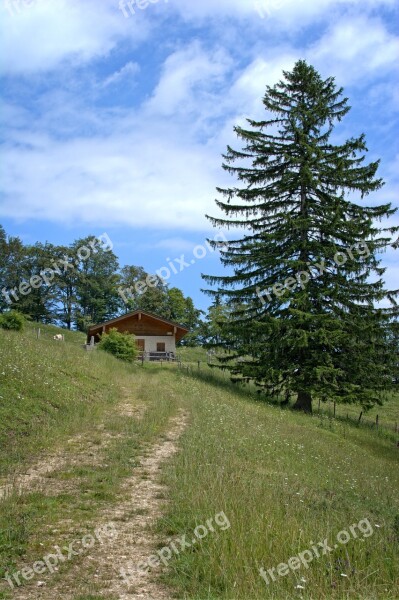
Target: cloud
{"type": "Point", "coordinates": [288, 13]}
{"type": "Point", "coordinates": [41, 36]}
{"type": "Point", "coordinates": [128, 71]}
{"type": "Point", "coordinates": [48, 34]}
{"type": "Point", "coordinates": [134, 167]}
{"type": "Point", "coordinates": [250, 86]}
{"type": "Point", "coordinates": [143, 179]}
{"type": "Point", "coordinates": [356, 49]}
{"type": "Point", "coordinates": [156, 162]}
{"type": "Point", "coordinates": [140, 168]}
{"type": "Point", "coordinates": [189, 77]}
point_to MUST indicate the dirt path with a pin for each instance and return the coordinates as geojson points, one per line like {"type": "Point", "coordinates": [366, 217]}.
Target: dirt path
{"type": "Point", "coordinates": [81, 449]}
{"type": "Point", "coordinates": [97, 571]}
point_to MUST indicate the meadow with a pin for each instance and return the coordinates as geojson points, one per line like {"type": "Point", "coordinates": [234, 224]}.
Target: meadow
{"type": "Point", "coordinates": [286, 482]}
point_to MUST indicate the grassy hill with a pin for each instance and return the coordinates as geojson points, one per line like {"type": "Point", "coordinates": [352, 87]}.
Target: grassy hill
{"type": "Point", "coordinates": [48, 389]}
{"type": "Point", "coordinates": [196, 360]}
{"type": "Point", "coordinates": [285, 482]}
{"type": "Point", "coordinates": [262, 484]}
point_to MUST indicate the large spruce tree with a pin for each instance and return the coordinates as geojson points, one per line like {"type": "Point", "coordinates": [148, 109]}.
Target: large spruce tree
{"type": "Point", "coordinates": [306, 276]}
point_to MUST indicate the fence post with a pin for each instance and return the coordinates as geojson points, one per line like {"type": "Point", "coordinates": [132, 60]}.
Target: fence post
{"type": "Point", "coordinates": [360, 417]}
{"type": "Point", "coordinates": [38, 333]}
{"type": "Point", "coordinates": [376, 421]}
{"type": "Point", "coordinates": [335, 407]}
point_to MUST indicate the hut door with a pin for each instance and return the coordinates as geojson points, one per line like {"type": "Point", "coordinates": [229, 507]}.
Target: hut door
{"type": "Point", "coordinates": [141, 345]}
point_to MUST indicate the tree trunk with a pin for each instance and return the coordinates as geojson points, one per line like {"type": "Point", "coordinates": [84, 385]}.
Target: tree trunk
{"type": "Point", "coordinates": [304, 402]}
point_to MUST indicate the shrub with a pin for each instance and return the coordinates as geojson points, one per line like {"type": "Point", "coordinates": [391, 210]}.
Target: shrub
{"type": "Point", "coordinates": [12, 320]}
{"type": "Point", "coordinates": [121, 345]}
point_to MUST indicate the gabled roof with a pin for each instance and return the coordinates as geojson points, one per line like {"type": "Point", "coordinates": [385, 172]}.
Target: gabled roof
{"type": "Point", "coordinates": [182, 330]}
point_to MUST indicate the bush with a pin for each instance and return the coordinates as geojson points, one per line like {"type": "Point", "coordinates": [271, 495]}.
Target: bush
{"type": "Point", "coordinates": [121, 345]}
{"type": "Point", "coordinates": [12, 320]}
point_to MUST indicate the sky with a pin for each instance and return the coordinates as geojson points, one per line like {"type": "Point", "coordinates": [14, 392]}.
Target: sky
{"type": "Point", "coordinates": [115, 115]}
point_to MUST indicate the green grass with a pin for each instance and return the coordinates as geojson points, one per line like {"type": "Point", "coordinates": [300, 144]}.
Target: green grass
{"type": "Point", "coordinates": [48, 389]}
{"type": "Point", "coordinates": [388, 413]}
{"type": "Point", "coordinates": [50, 392]}
{"type": "Point", "coordinates": [283, 480]}
{"type": "Point", "coordinates": [190, 355]}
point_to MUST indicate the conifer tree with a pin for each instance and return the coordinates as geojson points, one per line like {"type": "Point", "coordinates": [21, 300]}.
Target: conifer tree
{"type": "Point", "coordinates": [306, 273]}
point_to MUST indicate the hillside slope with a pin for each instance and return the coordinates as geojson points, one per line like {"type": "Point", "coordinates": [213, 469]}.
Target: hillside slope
{"type": "Point", "coordinates": [48, 388]}
{"type": "Point", "coordinates": [86, 439]}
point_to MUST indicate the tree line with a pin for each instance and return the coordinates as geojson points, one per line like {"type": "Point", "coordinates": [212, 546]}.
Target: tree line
{"type": "Point", "coordinates": [81, 284]}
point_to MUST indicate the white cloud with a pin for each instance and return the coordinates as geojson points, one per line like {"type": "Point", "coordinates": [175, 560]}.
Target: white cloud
{"type": "Point", "coordinates": [189, 78]}
{"type": "Point", "coordinates": [143, 179]}
{"type": "Point", "coordinates": [159, 167]}
{"type": "Point", "coordinates": [288, 13]}
{"type": "Point", "coordinates": [356, 48]}
{"type": "Point", "coordinates": [127, 71]}
{"type": "Point", "coordinates": [250, 86]}
{"type": "Point", "coordinates": [144, 170]}
{"type": "Point", "coordinates": [45, 33]}
{"type": "Point", "coordinates": [39, 37]}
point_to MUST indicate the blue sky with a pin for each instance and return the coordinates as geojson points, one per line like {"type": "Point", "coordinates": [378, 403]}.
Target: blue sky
{"type": "Point", "coordinates": [115, 120]}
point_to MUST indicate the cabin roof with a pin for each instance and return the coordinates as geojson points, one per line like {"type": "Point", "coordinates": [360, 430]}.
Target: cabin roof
{"type": "Point", "coordinates": [96, 328]}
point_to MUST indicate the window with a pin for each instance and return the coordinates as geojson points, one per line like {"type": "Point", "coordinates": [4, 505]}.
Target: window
{"type": "Point", "coordinates": [161, 347]}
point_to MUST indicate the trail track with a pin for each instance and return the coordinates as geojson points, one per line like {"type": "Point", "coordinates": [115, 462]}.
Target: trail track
{"type": "Point", "coordinates": [142, 500]}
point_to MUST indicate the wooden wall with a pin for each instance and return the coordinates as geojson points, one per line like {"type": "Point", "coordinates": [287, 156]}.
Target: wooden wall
{"type": "Point", "coordinates": [139, 327]}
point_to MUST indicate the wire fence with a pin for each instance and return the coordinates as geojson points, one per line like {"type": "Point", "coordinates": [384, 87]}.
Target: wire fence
{"type": "Point", "coordinates": [211, 373]}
